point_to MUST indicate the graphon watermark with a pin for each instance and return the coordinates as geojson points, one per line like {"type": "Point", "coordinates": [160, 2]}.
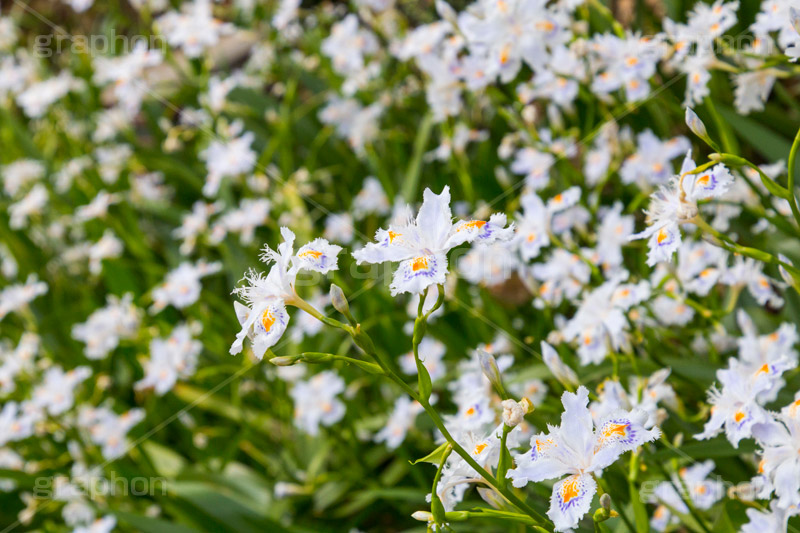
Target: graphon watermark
{"type": "Point", "coordinates": [92, 486]}
{"type": "Point", "coordinates": [49, 45]}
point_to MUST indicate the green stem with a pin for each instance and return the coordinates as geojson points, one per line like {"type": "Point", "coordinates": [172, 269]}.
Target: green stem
{"type": "Point", "coordinates": [437, 509]}
{"type": "Point", "coordinates": [726, 242]}
{"type": "Point", "coordinates": [364, 342]}
{"type": "Point", "coordinates": [790, 184]}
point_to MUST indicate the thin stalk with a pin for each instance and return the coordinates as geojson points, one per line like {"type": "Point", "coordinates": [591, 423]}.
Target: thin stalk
{"type": "Point", "coordinates": [790, 182]}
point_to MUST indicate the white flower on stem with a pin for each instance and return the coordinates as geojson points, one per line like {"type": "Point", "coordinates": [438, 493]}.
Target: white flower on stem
{"type": "Point", "coordinates": [16, 422]}
{"type": "Point", "coordinates": [779, 438]}
{"type": "Point", "coordinates": [170, 359]}
{"type": "Point", "coordinates": [105, 327]}
{"type": "Point", "coordinates": [776, 519]}
{"type": "Point", "coordinates": [264, 318]}
{"type": "Point", "coordinates": [421, 245]}
{"type": "Point", "coordinates": [107, 247]}
{"type": "Point", "coordinates": [371, 199]}
{"type": "Point", "coordinates": [457, 474]}
{"type": "Point", "coordinates": [400, 421]}
{"type": "Point", "coordinates": [15, 297]}
{"type": "Point", "coordinates": [316, 402]}
{"type": "Point", "coordinates": [20, 173]}
{"type": "Point", "coordinates": [736, 407]}
{"type": "Point", "coordinates": [228, 158]}
{"type": "Point", "coordinates": [194, 29]}
{"type": "Point", "coordinates": [578, 449]}
{"type": "Point", "coordinates": [56, 393]}
{"type": "Point", "coordinates": [676, 203]}
{"type": "Point", "coordinates": [701, 490]}
{"type": "Point", "coordinates": [31, 204]}
{"type": "Point", "coordinates": [181, 287]}
{"type": "Point", "coordinates": [108, 430]}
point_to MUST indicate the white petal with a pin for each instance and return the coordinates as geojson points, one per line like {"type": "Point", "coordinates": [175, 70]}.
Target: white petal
{"type": "Point", "coordinates": [414, 275]}
{"type": "Point", "coordinates": [571, 500]}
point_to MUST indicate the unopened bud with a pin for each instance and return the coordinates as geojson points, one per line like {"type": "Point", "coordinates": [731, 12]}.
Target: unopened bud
{"type": "Point", "coordinates": [340, 302]}
{"type": "Point", "coordinates": [490, 370]}
{"type": "Point", "coordinates": [422, 516]}
{"type": "Point", "coordinates": [513, 413]}
{"type": "Point", "coordinates": [283, 361]}
{"type": "Point", "coordinates": [605, 501]}
{"type": "Point", "coordinates": [697, 127]}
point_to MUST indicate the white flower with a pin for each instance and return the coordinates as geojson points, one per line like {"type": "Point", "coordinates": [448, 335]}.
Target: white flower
{"type": "Point", "coordinates": [32, 204]}
{"type": "Point", "coordinates": [128, 75]}
{"type": "Point", "coordinates": [339, 228]}
{"type": "Point", "coordinates": [108, 247]}
{"type": "Point", "coordinates": [371, 199]}
{"type": "Point", "coordinates": [228, 158]}
{"type": "Point", "coordinates": [181, 287]}
{"type": "Point", "coordinates": [15, 297]}
{"type": "Point", "coordinates": [170, 359]}
{"type": "Point", "coordinates": [431, 353]}
{"type": "Point", "coordinates": [736, 407]}
{"type": "Point", "coordinates": [108, 430]}
{"type": "Point", "coordinates": [776, 519]}
{"type": "Point", "coordinates": [399, 422]}
{"type": "Point", "coordinates": [195, 29]}
{"type": "Point", "coordinates": [104, 328]}
{"type": "Point", "coordinates": [578, 448]}
{"type": "Point", "coordinates": [56, 393]}
{"type": "Point", "coordinates": [316, 402]}
{"type": "Point", "coordinates": [194, 224]}
{"type": "Point", "coordinates": [421, 245]}
{"type": "Point", "coordinates": [264, 319]}
{"type": "Point", "coordinates": [38, 97]}
{"type": "Point", "coordinates": [16, 422]}
{"type": "Point", "coordinates": [700, 490]}
{"type": "Point", "coordinates": [20, 173]}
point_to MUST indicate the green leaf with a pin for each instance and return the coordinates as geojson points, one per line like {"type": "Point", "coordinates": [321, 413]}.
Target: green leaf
{"type": "Point", "coordinates": [435, 457]}
{"type": "Point", "coordinates": [424, 380]}
{"type": "Point", "coordinates": [768, 143]}
{"type": "Point", "coordinates": [415, 165]}
{"type": "Point", "coordinates": [146, 524]}
{"type": "Point", "coordinates": [639, 511]}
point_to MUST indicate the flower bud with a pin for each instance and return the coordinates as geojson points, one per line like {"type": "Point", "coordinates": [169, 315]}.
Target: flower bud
{"type": "Point", "coordinates": [605, 501]}
{"type": "Point", "coordinates": [513, 413]}
{"type": "Point", "coordinates": [490, 370]}
{"type": "Point", "coordinates": [339, 302]}
{"type": "Point", "coordinates": [422, 516]}
{"type": "Point", "coordinates": [695, 124]}
{"type": "Point", "coordinates": [283, 361]}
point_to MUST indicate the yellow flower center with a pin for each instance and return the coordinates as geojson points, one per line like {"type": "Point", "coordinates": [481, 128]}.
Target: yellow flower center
{"type": "Point", "coordinates": [419, 263]}
{"type": "Point", "coordinates": [267, 320]}
{"type": "Point", "coordinates": [311, 253]}
{"type": "Point", "coordinates": [570, 489]}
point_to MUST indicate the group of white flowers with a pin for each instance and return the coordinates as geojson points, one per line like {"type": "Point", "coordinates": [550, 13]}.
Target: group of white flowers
{"type": "Point", "coordinates": [124, 214]}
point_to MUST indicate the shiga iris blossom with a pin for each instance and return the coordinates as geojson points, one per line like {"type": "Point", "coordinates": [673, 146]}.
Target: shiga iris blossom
{"type": "Point", "coordinates": [421, 245]}
{"type": "Point", "coordinates": [264, 319]}
{"type": "Point", "coordinates": [580, 449]}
